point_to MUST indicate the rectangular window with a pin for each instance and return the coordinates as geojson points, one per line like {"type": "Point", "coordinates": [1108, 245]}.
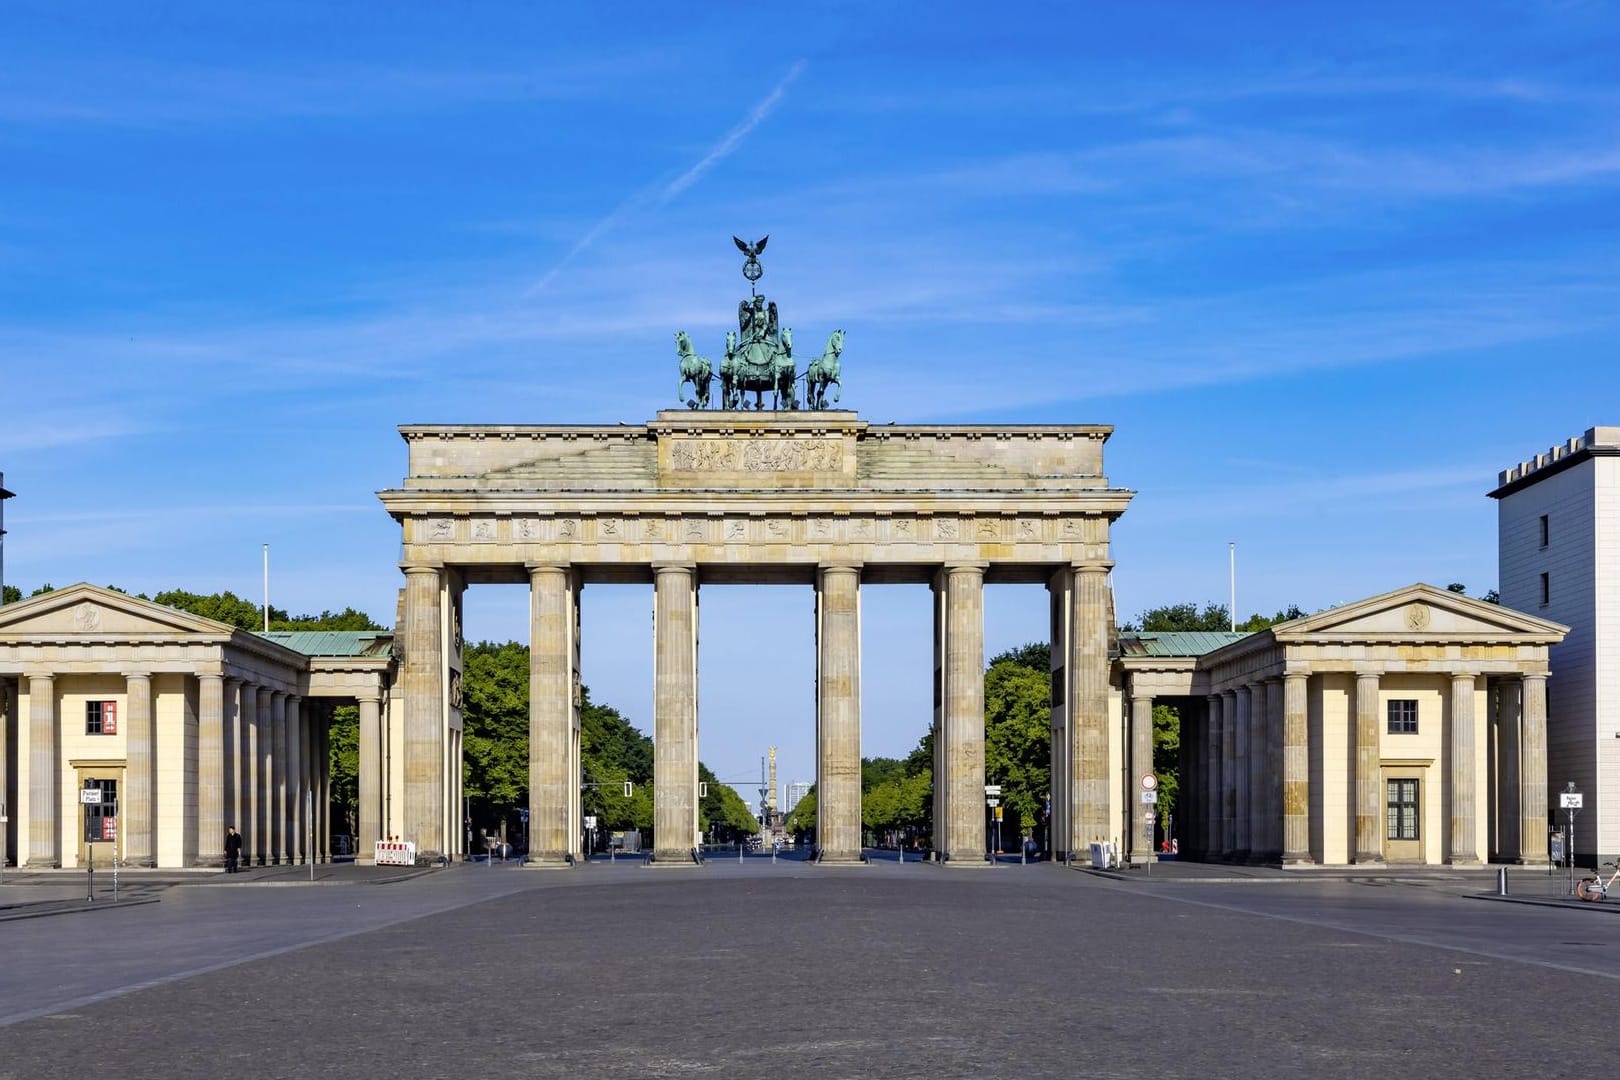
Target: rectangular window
{"type": "Point", "coordinates": [1403, 717]}
{"type": "Point", "coordinates": [101, 718]}
{"type": "Point", "coordinates": [101, 818]}
{"type": "Point", "coordinates": [1402, 806]}
{"type": "Point", "coordinates": [1546, 590]}
{"type": "Point", "coordinates": [1543, 530]}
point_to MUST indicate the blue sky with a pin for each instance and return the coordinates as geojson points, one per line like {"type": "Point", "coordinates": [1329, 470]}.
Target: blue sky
{"type": "Point", "coordinates": [1326, 272]}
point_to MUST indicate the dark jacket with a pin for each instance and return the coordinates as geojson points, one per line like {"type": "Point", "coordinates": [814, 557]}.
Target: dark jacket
{"type": "Point", "coordinates": [233, 843]}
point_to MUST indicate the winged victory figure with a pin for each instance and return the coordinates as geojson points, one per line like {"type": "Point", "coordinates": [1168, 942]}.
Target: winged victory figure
{"type": "Point", "coordinates": [753, 250]}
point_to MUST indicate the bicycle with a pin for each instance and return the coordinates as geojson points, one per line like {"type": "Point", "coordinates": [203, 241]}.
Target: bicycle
{"type": "Point", "coordinates": [1594, 887]}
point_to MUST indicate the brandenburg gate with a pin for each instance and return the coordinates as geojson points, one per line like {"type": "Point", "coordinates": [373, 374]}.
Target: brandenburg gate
{"type": "Point", "coordinates": [799, 494]}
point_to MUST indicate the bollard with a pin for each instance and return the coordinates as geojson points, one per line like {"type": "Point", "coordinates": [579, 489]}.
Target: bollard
{"type": "Point", "coordinates": [90, 871]}
{"type": "Point", "coordinates": [1501, 881]}
{"type": "Point", "coordinates": [739, 853]}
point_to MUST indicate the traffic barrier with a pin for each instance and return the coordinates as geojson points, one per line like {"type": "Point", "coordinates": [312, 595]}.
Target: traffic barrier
{"type": "Point", "coordinates": [395, 853]}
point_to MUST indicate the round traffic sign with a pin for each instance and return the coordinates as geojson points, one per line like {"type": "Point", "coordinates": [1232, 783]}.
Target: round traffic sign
{"type": "Point", "coordinates": [1149, 782]}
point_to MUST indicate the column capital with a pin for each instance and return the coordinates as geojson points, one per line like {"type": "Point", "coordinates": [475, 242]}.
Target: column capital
{"type": "Point", "coordinates": [1092, 566]}
{"type": "Point", "coordinates": [422, 568]}
{"type": "Point", "coordinates": [850, 566]}
{"type": "Point", "coordinates": [547, 568]}
{"type": "Point", "coordinates": [671, 567]}
{"type": "Point", "coordinates": [147, 675]}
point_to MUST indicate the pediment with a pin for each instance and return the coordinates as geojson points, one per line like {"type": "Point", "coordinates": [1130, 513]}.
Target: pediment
{"type": "Point", "coordinates": [86, 610]}
{"type": "Point", "coordinates": [1420, 612]}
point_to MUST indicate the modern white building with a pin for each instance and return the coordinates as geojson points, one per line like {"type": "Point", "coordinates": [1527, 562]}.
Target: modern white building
{"type": "Point", "coordinates": [796, 790]}
{"type": "Point", "coordinates": [1558, 557]}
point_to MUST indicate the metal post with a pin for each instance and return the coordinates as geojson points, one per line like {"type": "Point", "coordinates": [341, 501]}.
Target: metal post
{"type": "Point", "coordinates": [1501, 881]}
{"type": "Point", "coordinates": [90, 870]}
{"type": "Point", "coordinates": [309, 832]}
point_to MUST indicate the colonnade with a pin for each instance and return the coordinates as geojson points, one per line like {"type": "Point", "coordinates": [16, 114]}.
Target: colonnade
{"type": "Point", "coordinates": [1247, 754]}
{"type": "Point", "coordinates": [1081, 622]}
{"type": "Point", "coordinates": [260, 752]}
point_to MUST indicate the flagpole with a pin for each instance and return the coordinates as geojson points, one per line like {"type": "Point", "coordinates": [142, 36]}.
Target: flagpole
{"type": "Point", "coordinates": [1231, 554]}
{"type": "Point", "coordinates": [267, 588]}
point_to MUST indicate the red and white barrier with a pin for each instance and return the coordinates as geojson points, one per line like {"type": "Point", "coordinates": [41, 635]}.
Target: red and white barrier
{"type": "Point", "coordinates": [395, 853]}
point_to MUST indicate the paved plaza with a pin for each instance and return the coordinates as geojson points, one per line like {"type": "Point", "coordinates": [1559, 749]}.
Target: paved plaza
{"type": "Point", "coordinates": [789, 969]}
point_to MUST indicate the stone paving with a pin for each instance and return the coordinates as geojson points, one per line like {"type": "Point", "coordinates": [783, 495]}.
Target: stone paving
{"type": "Point", "coordinates": [791, 969]}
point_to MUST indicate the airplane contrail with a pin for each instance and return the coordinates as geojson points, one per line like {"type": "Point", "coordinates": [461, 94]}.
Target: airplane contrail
{"type": "Point", "coordinates": [655, 195]}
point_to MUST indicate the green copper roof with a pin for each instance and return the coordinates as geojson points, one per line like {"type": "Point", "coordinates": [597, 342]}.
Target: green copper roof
{"type": "Point", "coordinates": [1174, 643]}
{"type": "Point", "coordinates": [333, 642]}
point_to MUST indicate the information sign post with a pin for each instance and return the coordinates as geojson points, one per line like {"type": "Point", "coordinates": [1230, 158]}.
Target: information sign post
{"type": "Point", "coordinates": [1570, 801]}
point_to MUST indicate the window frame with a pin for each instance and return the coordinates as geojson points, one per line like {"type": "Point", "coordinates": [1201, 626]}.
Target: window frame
{"type": "Point", "coordinates": [1546, 588]}
{"type": "Point", "coordinates": [101, 717]}
{"type": "Point", "coordinates": [1546, 529]}
{"type": "Point", "coordinates": [1399, 719]}
{"type": "Point", "coordinates": [1402, 815]}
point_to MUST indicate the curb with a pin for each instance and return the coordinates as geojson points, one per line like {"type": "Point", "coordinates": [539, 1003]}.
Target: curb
{"type": "Point", "coordinates": [71, 907]}
{"type": "Point", "coordinates": [1546, 901]}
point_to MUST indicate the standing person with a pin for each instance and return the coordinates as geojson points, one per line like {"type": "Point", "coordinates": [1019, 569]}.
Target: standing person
{"type": "Point", "coordinates": [233, 848]}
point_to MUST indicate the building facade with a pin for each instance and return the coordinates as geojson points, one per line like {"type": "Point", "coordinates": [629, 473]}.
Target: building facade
{"type": "Point", "coordinates": [1558, 552]}
{"type": "Point", "coordinates": [134, 731]}
{"type": "Point", "coordinates": [1409, 727]}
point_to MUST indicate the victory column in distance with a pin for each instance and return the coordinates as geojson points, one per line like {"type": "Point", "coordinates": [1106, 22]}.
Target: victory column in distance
{"type": "Point", "coordinates": [759, 355]}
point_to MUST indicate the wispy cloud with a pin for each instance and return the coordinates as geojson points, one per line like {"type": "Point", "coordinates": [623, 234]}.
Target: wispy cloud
{"type": "Point", "coordinates": [659, 194]}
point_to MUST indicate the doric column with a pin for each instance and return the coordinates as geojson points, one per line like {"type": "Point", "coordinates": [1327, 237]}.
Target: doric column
{"type": "Point", "coordinates": [1140, 815]}
{"type": "Point", "coordinates": [424, 727]}
{"type": "Point", "coordinates": [1212, 776]}
{"type": "Point", "coordinates": [1533, 772]}
{"type": "Point", "coordinates": [1274, 768]}
{"type": "Point", "coordinates": [1259, 772]}
{"type": "Point", "coordinates": [137, 809]}
{"type": "Point", "coordinates": [1508, 829]}
{"type": "Point", "coordinates": [1464, 805]}
{"type": "Point", "coordinates": [323, 782]}
{"type": "Point", "coordinates": [552, 787]}
{"type": "Point", "coordinates": [250, 777]}
{"type": "Point", "coordinates": [838, 713]}
{"type": "Point", "coordinates": [1229, 783]}
{"type": "Point", "coordinates": [8, 735]}
{"type": "Point", "coordinates": [962, 836]}
{"type": "Point", "coordinates": [230, 753]}
{"type": "Point", "coordinates": [264, 739]}
{"type": "Point", "coordinates": [1368, 844]}
{"type": "Point", "coordinates": [277, 773]}
{"type": "Point", "coordinates": [370, 781]}
{"type": "Point", "coordinates": [44, 772]}
{"type": "Point", "coordinates": [1296, 769]}
{"type": "Point", "coordinates": [210, 770]}
{"type": "Point", "coordinates": [1240, 775]}
{"type": "Point", "coordinates": [1090, 624]}
{"type": "Point", "coordinates": [296, 785]}
{"type": "Point", "coordinates": [675, 761]}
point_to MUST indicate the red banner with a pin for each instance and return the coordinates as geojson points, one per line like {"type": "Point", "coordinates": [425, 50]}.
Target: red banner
{"type": "Point", "coordinates": [109, 828]}
{"type": "Point", "coordinates": [109, 717]}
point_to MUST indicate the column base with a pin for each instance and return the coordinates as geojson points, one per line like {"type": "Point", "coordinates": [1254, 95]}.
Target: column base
{"type": "Point", "coordinates": [547, 860]}
{"type": "Point", "coordinates": [677, 857]}
{"type": "Point", "coordinates": [1364, 858]}
{"type": "Point", "coordinates": [1297, 858]}
{"type": "Point", "coordinates": [840, 858]}
{"type": "Point", "coordinates": [1466, 861]}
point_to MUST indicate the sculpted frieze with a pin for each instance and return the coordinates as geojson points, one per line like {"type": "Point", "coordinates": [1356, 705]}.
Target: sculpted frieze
{"type": "Point", "coordinates": [756, 455]}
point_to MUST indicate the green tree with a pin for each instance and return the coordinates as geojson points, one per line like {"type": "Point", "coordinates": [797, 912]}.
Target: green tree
{"type": "Point", "coordinates": [878, 771]}
{"type": "Point", "coordinates": [1018, 736]}
{"type": "Point", "coordinates": [344, 743]}
{"type": "Point", "coordinates": [802, 818]}
{"type": "Point", "coordinates": [723, 810]}
{"type": "Point", "coordinates": [1166, 762]}
{"type": "Point", "coordinates": [495, 737]}
{"type": "Point", "coordinates": [1037, 656]}
{"type": "Point", "coordinates": [10, 595]}
{"type": "Point", "coordinates": [1172, 618]}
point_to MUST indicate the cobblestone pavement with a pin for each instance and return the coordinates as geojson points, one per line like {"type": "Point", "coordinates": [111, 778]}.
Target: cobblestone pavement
{"type": "Point", "coordinates": [790, 970]}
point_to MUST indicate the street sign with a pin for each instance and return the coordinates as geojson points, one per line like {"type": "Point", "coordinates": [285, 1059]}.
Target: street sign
{"type": "Point", "coordinates": [992, 789]}
{"type": "Point", "coordinates": [992, 802]}
{"type": "Point", "coordinates": [1149, 782]}
{"type": "Point", "coordinates": [1149, 798]}
{"type": "Point", "coordinates": [523, 815]}
{"type": "Point", "coordinates": [1569, 800]}
{"type": "Point", "coordinates": [998, 813]}
{"type": "Point", "coordinates": [590, 821]}
{"type": "Point", "coordinates": [90, 796]}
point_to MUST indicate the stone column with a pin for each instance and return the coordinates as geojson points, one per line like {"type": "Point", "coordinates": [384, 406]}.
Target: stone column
{"type": "Point", "coordinates": [838, 713]}
{"type": "Point", "coordinates": [280, 801]}
{"type": "Point", "coordinates": [1296, 771]}
{"type": "Point", "coordinates": [370, 781]}
{"type": "Point", "coordinates": [1533, 773]}
{"type": "Point", "coordinates": [1139, 814]}
{"type": "Point", "coordinates": [1212, 777]}
{"type": "Point", "coordinates": [211, 770]}
{"type": "Point", "coordinates": [1090, 624]}
{"type": "Point", "coordinates": [424, 727]}
{"type": "Point", "coordinates": [1229, 783]}
{"type": "Point", "coordinates": [1259, 772]}
{"type": "Point", "coordinates": [674, 714]}
{"type": "Point", "coordinates": [264, 813]}
{"type": "Point", "coordinates": [137, 822]}
{"type": "Point", "coordinates": [965, 835]}
{"type": "Point", "coordinates": [1241, 822]}
{"type": "Point", "coordinates": [252, 777]}
{"type": "Point", "coordinates": [1274, 769]}
{"type": "Point", "coordinates": [8, 730]}
{"type": "Point", "coordinates": [44, 773]}
{"type": "Point", "coordinates": [552, 789]}
{"type": "Point", "coordinates": [323, 782]}
{"type": "Point", "coordinates": [295, 815]}
{"type": "Point", "coordinates": [230, 752]}
{"type": "Point", "coordinates": [1463, 809]}
{"type": "Point", "coordinates": [1368, 842]}
{"type": "Point", "coordinates": [1509, 750]}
